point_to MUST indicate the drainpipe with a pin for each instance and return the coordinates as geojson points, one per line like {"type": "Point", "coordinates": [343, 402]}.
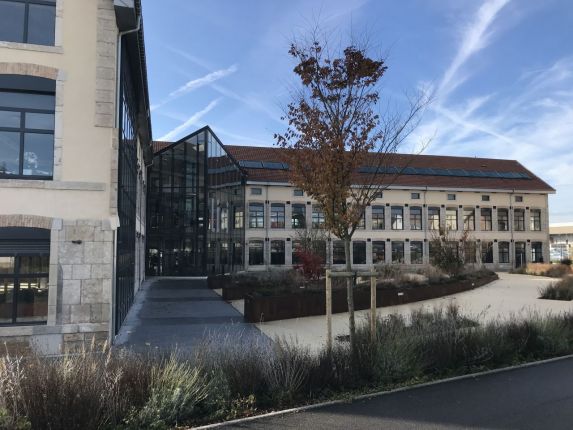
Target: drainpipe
{"type": "Point", "coordinates": [118, 67]}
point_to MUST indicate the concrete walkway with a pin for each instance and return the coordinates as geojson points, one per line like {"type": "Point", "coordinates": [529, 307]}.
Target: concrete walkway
{"type": "Point", "coordinates": [509, 297]}
{"type": "Point", "coordinates": [180, 313]}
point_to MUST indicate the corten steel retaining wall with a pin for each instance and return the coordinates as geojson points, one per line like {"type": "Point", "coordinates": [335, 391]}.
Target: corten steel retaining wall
{"type": "Point", "coordinates": [260, 308]}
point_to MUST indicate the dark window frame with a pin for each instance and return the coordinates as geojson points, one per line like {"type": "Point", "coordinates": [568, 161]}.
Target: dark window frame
{"type": "Point", "coordinates": [298, 215]}
{"type": "Point", "coordinates": [278, 213]}
{"type": "Point", "coordinates": [256, 215]}
{"type": "Point", "coordinates": [397, 218]}
{"type": "Point", "coordinates": [416, 252]}
{"type": "Point", "coordinates": [359, 252]}
{"type": "Point", "coordinates": [378, 217]}
{"type": "Point", "coordinates": [25, 34]}
{"type": "Point", "coordinates": [416, 218]}
{"type": "Point", "coordinates": [278, 253]}
{"type": "Point", "coordinates": [256, 245]}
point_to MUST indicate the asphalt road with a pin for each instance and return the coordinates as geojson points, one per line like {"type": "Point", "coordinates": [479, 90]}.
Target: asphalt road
{"type": "Point", "coordinates": [538, 397]}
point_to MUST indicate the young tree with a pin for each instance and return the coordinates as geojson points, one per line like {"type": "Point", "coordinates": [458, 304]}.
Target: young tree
{"type": "Point", "coordinates": [340, 151]}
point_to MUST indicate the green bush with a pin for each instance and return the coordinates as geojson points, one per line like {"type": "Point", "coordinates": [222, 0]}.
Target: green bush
{"type": "Point", "coordinates": [561, 290]}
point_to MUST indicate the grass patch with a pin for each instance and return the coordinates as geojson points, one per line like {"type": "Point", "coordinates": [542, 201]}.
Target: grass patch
{"type": "Point", "coordinates": [561, 290]}
{"type": "Point", "coordinates": [230, 378]}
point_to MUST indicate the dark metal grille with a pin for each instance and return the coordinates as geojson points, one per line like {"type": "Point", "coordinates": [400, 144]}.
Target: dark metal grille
{"type": "Point", "coordinates": [127, 198]}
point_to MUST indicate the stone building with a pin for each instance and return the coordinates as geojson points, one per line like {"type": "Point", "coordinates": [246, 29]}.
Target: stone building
{"type": "Point", "coordinates": [74, 144]}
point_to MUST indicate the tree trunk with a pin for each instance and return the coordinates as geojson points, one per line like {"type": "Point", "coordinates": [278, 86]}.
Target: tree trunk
{"type": "Point", "coordinates": [350, 298]}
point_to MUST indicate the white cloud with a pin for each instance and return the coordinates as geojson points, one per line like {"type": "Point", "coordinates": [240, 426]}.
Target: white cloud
{"type": "Point", "coordinates": [191, 121]}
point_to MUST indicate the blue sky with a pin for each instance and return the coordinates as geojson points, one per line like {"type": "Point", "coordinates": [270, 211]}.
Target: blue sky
{"type": "Point", "coordinates": [501, 72]}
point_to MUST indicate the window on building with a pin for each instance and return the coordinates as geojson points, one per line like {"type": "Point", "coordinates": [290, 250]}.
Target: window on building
{"type": "Point", "coordinates": [296, 250]}
{"type": "Point", "coordinates": [379, 195]}
{"type": "Point", "coordinates": [359, 252]}
{"type": "Point", "coordinates": [519, 199]}
{"type": "Point", "coordinates": [256, 215]}
{"type": "Point", "coordinates": [298, 218]}
{"type": "Point", "coordinates": [415, 196]}
{"type": "Point", "coordinates": [237, 254]}
{"type": "Point", "coordinates": [416, 252]}
{"type": "Point", "coordinates": [451, 196]}
{"type": "Point", "coordinates": [502, 219]}
{"type": "Point", "coordinates": [470, 252]}
{"type": "Point", "coordinates": [317, 217]}
{"type": "Point", "coordinates": [469, 219]}
{"type": "Point", "coordinates": [503, 248]}
{"type": "Point", "coordinates": [298, 193]}
{"type": "Point", "coordinates": [28, 21]}
{"type": "Point", "coordinates": [535, 219]}
{"type": "Point", "coordinates": [256, 253]}
{"type": "Point", "coordinates": [485, 198]}
{"type": "Point", "coordinates": [398, 252]}
{"type": "Point", "coordinates": [338, 256]}
{"type": "Point", "coordinates": [485, 219]}
{"type": "Point", "coordinates": [378, 252]}
{"type": "Point", "coordinates": [536, 252]}
{"type": "Point", "coordinates": [519, 220]}
{"type": "Point", "coordinates": [520, 258]}
{"type": "Point", "coordinates": [277, 252]}
{"type": "Point", "coordinates": [361, 222]}
{"type": "Point", "coordinates": [397, 217]}
{"type": "Point", "coordinates": [239, 217]}
{"type": "Point", "coordinates": [416, 218]}
{"type": "Point", "coordinates": [487, 252]}
{"type": "Point", "coordinates": [433, 218]}
{"type": "Point", "coordinates": [451, 218]}
{"type": "Point", "coordinates": [27, 106]}
{"type": "Point", "coordinates": [277, 215]}
{"type": "Point", "coordinates": [256, 191]}
{"type": "Point", "coordinates": [224, 254]}
{"type": "Point", "coordinates": [377, 217]}
{"type": "Point", "coordinates": [224, 219]}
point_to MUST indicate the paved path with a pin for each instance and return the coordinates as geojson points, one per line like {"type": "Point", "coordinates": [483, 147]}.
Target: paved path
{"type": "Point", "coordinates": [509, 297]}
{"type": "Point", "coordinates": [181, 312]}
{"type": "Point", "coordinates": [539, 397]}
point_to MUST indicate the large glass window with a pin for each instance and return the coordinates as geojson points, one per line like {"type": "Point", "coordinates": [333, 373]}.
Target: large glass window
{"type": "Point", "coordinates": [277, 252]}
{"type": "Point", "coordinates": [469, 219]}
{"type": "Point", "coordinates": [397, 218]}
{"type": "Point", "coordinates": [338, 255]}
{"type": "Point", "coordinates": [451, 218]}
{"type": "Point", "coordinates": [433, 218]}
{"type": "Point", "coordinates": [536, 252]}
{"type": "Point", "coordinates": [469, 252]}
{"type": "Point", "coordinates": [519, 219]}
{"type": "Point", "coordinates": [296, 250]}
{"type": "Point", "coordinates": [520, 259]}
{"type": "Point", "coordinates": [378, 252]}
{"type": "Point", "coordinates": [317, 217]}
{"type": "Point", "coordinates": [359, 252]}
{"type": "Point", "coordinates": [239, 217]}
{"type": "Point", "coordinates": [485, 219]}
{"type": "Point", "coordinates": [487, 252]}
{"type": "Point", "coordinates": [277, 215]}
{"type": "Point", "coordinates": [28, 21]}
{"type": "Point", "coordinates": [256, 253]}
{"type": "Point", "coordinates": [377, 217]}
{"type": "Point", "coordinates": [535, 219]}
{"type": "Point", "coordinates": [398, 252]}
{"type": "Point", "coordinates": [416, 218]}
{"type": "Point", "coordinates": [256, 215]}
{"type": "Point", "coordinates": [503, 248]}
{"type": "Point", "coordinates": [298, 219]}
{"type": "Point", "coordinates": [416, 252]}
{"type": "Point", "coordinates": [26, 129]}
{"type": "Point", "coordinates": [502, 219]}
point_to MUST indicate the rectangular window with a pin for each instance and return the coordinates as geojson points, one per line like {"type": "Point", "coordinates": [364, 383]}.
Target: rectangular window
{"type": "Point", "coordinates": [398, 252]}
{"type": "Point", "coordinates": [415, 196]}
{"type": "Point", "coordinates": [485, 219]}
{"type": "Point", "coordinates": [298, 193]}
{"type": "Point", "coordinates": [536, 252]}
{"type": "Point", "coordinates": [256, 215]}
{"type": "Point", "coordinates": [519, 199]}
{"type": "Point", "coordinates": [416, 252]}
{"type": "Point", "coordinates": [277, 215]}
{"type": "Point", "coordinates": [379, 195]}
{"type": "Point", "coordinates": [28, 21]}
{"type": "Point", "coordinates": [361, 222]}
{"type": "Point", "coordinates": [485, 198]}
{"type": "Point", "coordinates": [378, 252]}
{"type": "Point", "coordinates": [535, 219]}
{"type": "Point", "coordinates": [503, 248]}
{"type": "Point", "coordinates": [256, 253]}
{"type": "Point", "coordinates": [519, 220]}
{"type": "Point", "coordinates": [277, 252]}
{"type": "Point", "coordinates": [433, 218]}
{"type": "Point", "coordinates": [416, 218]}
{"type": "Point", "coordinates": [296, 251]}
{"type": "Point", "coordinates": [359, 252]}
{"type": "Point", "coordinates": [470, 252]}
{"type": "Point", "coordinates": [298, 217]}
{"type": "Point", "coordinates": [502, 219]}
{"type": "Point", "coordinates": [520, 259]}
{"type": "Point", "coordinates": [224, 219]}
{"type": "Point", "coordinates": [338, 256]}
{"type": "Point", "coordinates": [237, 254]}
{"type": "Point", "coordinates": [377, 217]}
{"type": "Point", "coordinates": [317, 217]}
{"type": "Point", "coordinates": [239, 217]}
{"type": "Point", "coordinates": [451, 218]}
{"type": "Point", "coordinates": [397, 218]}
{"type": "Point", "coordinates": [469, 219]}
{"type": "Point", "coordinates": [451, 196]}
{"type": "Point", "coordinates": [256, 191]}
{"type": "Point", "coordinates": [487, 252]}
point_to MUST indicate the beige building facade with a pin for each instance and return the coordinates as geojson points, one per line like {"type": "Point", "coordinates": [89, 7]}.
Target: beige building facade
{"type": "Point", "coordinates": [74, 140]}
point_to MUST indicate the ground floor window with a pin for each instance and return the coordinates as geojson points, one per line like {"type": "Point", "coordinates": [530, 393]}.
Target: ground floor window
{"type": "Point", "coordinates": [536, 252]}
{"type": "Point", "coordinates": [378, 252]}
{"type": "Point", "coordinates": [503, 252]}
{"type": "Point", "coordinates": [469, 252]}
{"type": "Point", "coordinates": [359, 252]}
{"type": "Point", "coordinates": [338, 256]}
{"type": "Point", "coordinates": [416, 252]}
{"type": "Point", "coordinates": [398, 252]}
{"type": "Point", "coordinates": [520, 259]}
{"type": "Point", "coordinates": [487, 252]}
{"type": "Point", "coordinates": [278, 252]}
{"type": "Point", "coordinates": [237, 254]}
{"type": "Point", "coordinates": [256, 253]}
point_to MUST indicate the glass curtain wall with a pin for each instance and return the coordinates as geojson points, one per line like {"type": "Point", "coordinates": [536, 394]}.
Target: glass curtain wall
{"type": "Point", "coordinates": [195, 192]}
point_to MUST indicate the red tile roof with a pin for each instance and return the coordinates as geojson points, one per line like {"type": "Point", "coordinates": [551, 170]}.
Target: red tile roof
{"type": "Point", "coordinates": [158, 145]}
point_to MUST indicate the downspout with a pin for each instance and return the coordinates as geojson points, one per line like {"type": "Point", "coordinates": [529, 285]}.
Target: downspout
{"type": "Point", "coordinates": [118, 67]}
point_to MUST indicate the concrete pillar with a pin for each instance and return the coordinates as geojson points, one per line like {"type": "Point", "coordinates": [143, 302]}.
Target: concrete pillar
{"type": "Point", "coordinates": [494, 224]}
{"type": "Point", "coordinates": [288, 216]}
{"type": "Point", "coordinates": [369, 252]}
{"type": "Point", "coordinates": [368, 218]}
{"type": "Point", "coordinates": [495, 253]}
{"type": "Point", "coordinates": [288, 252]}
{"type": "Point", "coordinates": [407, 259]}
{"type": "Point", "coordinates": [406, 218]}
{"type": "Point", "coordinates": [387, 217]}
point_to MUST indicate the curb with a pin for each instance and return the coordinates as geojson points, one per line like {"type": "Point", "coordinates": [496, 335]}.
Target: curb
{"type": "Point", "coordinates": [380, 393]}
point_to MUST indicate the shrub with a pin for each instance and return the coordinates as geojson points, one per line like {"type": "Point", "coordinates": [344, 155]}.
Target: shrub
{"type": "Point", "coordinates": [310, 264]}
{"type": "Point", "coordinates": [561, 290]}
{"type": "Point", "coordinates": [548, 269]}
{"type": "Point", "coordinates": [566, 261]}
